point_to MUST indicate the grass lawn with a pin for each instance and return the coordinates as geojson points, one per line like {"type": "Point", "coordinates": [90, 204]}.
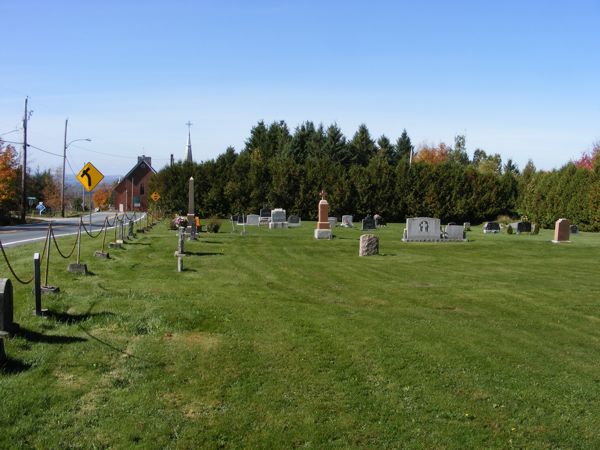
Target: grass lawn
{"type": "Point", "coordinates": [276, 340]}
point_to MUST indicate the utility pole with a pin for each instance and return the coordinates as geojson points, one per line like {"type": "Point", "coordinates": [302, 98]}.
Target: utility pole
{"type": "Point", "coordinates": [62, 187]}
{"type": "Point", "coordinates": [24, 164]}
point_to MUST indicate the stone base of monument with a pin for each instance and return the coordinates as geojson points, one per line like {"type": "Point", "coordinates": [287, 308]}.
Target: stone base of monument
{"type": "Point", "coordinates": [560, 242]}
{"type": "Point", "coordinates": [323, 234]}
{"type": "Point", "coordinates": [101, 255]}
{"type": "Point", "coordinates": [178, 254]}
{"type": "Point", "coordinates": [369, 245]}
{"type": "Point", "coordinates": [78, 268]}
{"type": "Point", "coordinates": [120, 242]}
{"type": "Point", "coordinates": [275, 225]}
{"type": "Point", "coordinates": [114, 245]}
{"type": "Point", "coordinates": [50, 289]}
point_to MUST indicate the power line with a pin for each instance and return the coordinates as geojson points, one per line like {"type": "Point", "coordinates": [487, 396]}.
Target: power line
{"type": "Point", "coordinates": [44, 151]}
{"type": "Point", "coordinates": [103, 153]}
{"type": "Point", "coordinates": [8, 132]}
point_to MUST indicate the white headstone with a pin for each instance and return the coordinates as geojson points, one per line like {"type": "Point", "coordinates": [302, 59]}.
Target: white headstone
{"type": "Point", "coordinates": [455, 232]}
{"type": "Point", "coordinates": [347, 221]}
{"type": "Point", "coordinates": [332, 222]}
{"type": "Point", "coordinates": [422, 229]}
{"type": "Point", "coordinates": [252, 219]}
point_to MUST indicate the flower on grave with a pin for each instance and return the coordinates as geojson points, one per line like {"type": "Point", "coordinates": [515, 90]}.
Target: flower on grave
{"type": "Point", "coordinates": [180, 221]}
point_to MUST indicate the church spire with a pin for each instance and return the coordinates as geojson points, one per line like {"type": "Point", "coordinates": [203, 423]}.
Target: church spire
{"type": "Point", "coordinates": [189, 143]}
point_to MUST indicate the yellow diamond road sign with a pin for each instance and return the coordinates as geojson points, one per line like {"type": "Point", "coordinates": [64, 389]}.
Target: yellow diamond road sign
{"type": "Point", "coordinates": [155, 196]}
{"type": "Point", "coordinates": [89, 176]}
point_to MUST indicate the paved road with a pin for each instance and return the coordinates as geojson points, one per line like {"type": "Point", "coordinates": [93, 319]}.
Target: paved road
{"type": "Point", "coordinates": [23, 234]}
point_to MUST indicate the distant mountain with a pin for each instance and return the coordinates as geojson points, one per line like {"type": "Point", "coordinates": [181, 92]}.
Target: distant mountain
{"type": "Point", "coordinates": [71, 180]}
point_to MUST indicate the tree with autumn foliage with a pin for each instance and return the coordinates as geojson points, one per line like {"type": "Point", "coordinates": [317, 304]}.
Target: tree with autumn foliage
{"type": "Point", "coordinates": [8, 179]}
{"type": "Point", "coordinates": [101, 197]}
{"type": "Point", "coordinates": [432, 154]}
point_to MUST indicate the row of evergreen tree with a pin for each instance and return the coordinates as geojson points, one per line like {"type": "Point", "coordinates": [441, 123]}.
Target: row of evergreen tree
{"type": "Point", "coordinates": [363, 176]}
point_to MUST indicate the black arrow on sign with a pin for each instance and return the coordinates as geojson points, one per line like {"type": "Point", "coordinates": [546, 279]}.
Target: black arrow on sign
{"type": "Point", "coordinates": [85, 173]}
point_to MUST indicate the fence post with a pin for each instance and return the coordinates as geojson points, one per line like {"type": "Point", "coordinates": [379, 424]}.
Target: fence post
{"type": "Point", "coordinates": [78, 267]}
{"type": "Point", "coordinates": [101, 254]}
{"type": "Point", "coordinates": [37, 286]}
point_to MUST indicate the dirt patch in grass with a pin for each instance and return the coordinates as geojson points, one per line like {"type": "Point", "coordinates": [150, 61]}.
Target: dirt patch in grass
{"type": "Point", "coordinates": [194, 339]}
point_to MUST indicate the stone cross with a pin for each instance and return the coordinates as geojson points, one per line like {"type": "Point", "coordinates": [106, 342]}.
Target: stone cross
{"type": "Point", "coordinates": [191, 217]}
{"type": "Point", "coordinates": [323, 194]}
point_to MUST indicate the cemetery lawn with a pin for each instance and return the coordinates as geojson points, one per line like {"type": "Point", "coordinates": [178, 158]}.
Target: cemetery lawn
{"type": "Point", "coordinates": [276, 340]}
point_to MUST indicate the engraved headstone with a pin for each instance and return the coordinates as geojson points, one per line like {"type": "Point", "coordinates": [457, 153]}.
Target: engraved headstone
{"type": "Point", "coordinates": [294, 221]}
{"type": "Point", "coordinates": [347, 221]}
{"type": "Point", "coordinates": [521, 227]}
{"type": "Point", "coordinates": [332, 222]}
{"type": "Point", "coordinates": [368, 223]}
{"type": "Point", "coordinates": [491, 227]}
{"type": "Point", "coordinates": [369, 245]}
{"type": "Point", "coordinates": [454, 232]}
{"type": "Point", "coordinates": [278, 215]}
{"type": "Point", "coordinates": [252, 219]}
{"type": "Point", "coordinates": [562, 231]}
{"type": "Point", "coordinates": [422, 229]}
{"type": "Point", "coordinates": [574, 229]}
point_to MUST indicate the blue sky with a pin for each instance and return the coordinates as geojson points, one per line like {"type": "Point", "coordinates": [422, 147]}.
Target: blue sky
{"type": "Point", "coordinates": [517, 78]}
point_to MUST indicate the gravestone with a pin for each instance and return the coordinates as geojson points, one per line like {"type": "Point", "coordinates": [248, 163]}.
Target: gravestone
{"type": "Point", "coordinates": [467, 226]}
{"type": "Point", "coordinates": [6, 307]}
{"type": "Point", "coordinates": [191, 216]}
{"type": "Point", "coordinates": [252, 219]}
{"type": "Point", "coordinates": [323, 230]}
{"type": "Point", "coordinates": [574, 229]}
{"type": "Point", "coordinates": [521, 227]}
{"type": "Point", "coordinates": [130, 234]}
{"type": "Point", "coordinates": [491, 227]}
{"type": "Point", "coordinates": [265, 215]}
{"type": "Point", "coordinates": [278, 215]}
{"type": "Point", "coordinates": [422, 229]}
{"type": "Point", "coordinates": [562, 231]}
{"type": "Point", "coordinates": [332, 222]}
{"type": "Point", "coordinates": [454, 232]}
{"type": "Point", "coordinates": [294, 221]}
{"type": "Point", "coordinates": [347, 221]}
{"type": "Point", "coordinates": [368, 223]}
{"type": "Point", "coordinates": [369, 245]}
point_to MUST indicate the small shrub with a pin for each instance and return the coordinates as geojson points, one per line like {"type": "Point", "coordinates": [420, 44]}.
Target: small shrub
{"type": "Point", "coordinates": [509, 229]}
{"type": "Point", "coordinates": [213, 225]}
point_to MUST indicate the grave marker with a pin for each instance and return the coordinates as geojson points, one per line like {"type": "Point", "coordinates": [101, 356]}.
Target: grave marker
{"type": "Point", "coordinates": [6, 307]}
{"type": "Point", "coordinates": [323, 230]}
{"type": "Point", "coordinates": [562, 231]}
{"type": "Point", "coordinates": [369, 245]}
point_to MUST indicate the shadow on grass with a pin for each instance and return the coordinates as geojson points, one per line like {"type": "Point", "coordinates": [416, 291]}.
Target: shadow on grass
{"type": "Point", "coordinates": [120, 350]}
{"type": "Point", "coordinates": [63, 317]}
{"type": "Point", "coordinates": [204, 253]}
{"type": "Point", "coordinates": [12, 366]}
{"type": "Point", "coordinates": [212, 242]}
{"type": "Point", "coordinates": [139, 243]}
{"type": "Point", "coordinates": [34, 336]}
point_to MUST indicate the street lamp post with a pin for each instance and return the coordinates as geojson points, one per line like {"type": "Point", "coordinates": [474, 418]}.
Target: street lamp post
{"type": "Point", "coordinates": [62, 189]}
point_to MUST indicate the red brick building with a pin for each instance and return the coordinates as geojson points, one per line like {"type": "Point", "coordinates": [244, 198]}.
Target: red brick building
{"type": "Point", "coordinates": [132, 191]}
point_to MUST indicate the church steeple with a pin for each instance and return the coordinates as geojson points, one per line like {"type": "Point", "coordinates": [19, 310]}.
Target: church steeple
{"type": "Point", "coordinates": [188, 158]}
